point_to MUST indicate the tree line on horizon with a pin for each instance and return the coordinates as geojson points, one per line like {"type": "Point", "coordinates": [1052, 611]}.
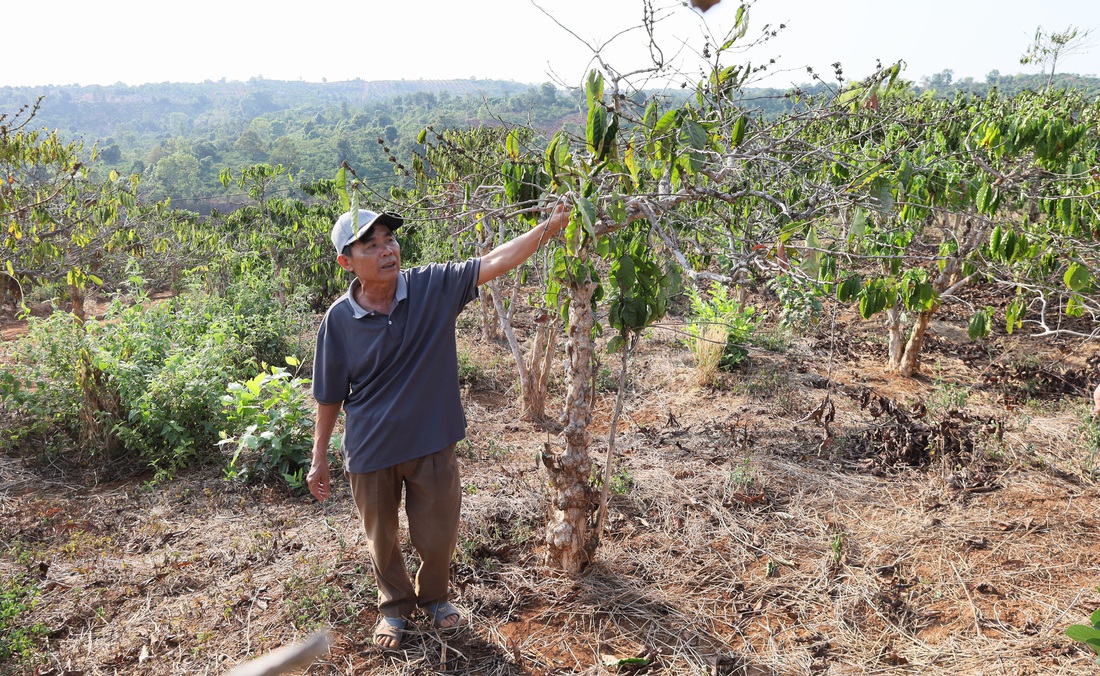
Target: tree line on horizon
{"type": "Point", "coordinates": [179, 137]}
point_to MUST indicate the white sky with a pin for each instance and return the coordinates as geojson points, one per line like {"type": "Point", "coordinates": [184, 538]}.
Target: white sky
{"type": "Point", "coordinates": [132, 41]}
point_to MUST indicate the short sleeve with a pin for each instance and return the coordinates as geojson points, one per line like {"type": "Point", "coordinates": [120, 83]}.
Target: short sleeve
{"type": "Point", "coordinates": [331, 379]}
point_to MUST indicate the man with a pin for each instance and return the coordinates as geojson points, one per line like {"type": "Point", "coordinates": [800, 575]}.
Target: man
{"type": "Point", "coordinates": [386, 353]}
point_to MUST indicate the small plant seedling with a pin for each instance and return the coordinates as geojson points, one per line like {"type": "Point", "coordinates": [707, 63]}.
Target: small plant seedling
{"type": "Point", "coordinates": [1089, 635]}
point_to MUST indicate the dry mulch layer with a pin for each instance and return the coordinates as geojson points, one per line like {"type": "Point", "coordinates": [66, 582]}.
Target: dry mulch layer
{"type": "Point", "coordinates": [808, 513]}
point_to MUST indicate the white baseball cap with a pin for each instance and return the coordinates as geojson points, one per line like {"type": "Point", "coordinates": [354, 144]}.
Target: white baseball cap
{"type": "Point", "coordinates": [343, 233]}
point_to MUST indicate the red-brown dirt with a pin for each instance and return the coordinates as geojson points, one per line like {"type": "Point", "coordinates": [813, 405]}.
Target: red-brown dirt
{"type": "Point", "coordinates": [736, 543]}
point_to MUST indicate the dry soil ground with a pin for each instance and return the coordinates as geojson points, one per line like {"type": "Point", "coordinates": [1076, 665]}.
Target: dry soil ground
{"type": "Point", "coordinates": [959, 543]}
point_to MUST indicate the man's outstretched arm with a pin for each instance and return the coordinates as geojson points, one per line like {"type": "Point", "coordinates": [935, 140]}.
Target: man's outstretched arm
{"type": "Point", "coordinates": [512, 253]}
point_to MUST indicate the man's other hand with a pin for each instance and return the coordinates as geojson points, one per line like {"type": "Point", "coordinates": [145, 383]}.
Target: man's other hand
{"type": "Point", "coordinates": [318, 479]}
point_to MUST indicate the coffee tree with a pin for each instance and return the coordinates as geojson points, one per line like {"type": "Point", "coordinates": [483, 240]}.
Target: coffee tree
{"type": "Point", "coordinates": [943, 194]}
{"type": "Point", "coordinates": [59, 225]}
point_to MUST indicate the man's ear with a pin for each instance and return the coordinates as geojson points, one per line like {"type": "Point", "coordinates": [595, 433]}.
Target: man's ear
{"type": "Point", "coordinates": [343, 261]}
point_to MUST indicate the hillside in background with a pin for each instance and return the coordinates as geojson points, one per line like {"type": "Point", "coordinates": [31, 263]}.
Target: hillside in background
{"type": "Point", "coordinates": [179, 136]}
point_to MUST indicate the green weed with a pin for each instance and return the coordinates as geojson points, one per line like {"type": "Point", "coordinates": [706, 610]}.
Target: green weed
{"type": "Point", "coordinates": [311, 604]}
{"type": "Point", "coordinates": [1089, 634]}
{"type": "Point", "coordinates": [469, 371]}
{"type": "Point", "coordinates": [946, 396]}
{"type": "Point", "coordinates": [18, 638]}
{"type": "Point", "coordinates": [836, 547]}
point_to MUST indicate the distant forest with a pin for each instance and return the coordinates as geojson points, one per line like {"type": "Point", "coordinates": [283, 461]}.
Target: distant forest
{"type": "Point", "coordinates": [179, 137]}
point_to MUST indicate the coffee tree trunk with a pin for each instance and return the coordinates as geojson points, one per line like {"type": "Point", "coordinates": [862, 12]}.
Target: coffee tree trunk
{"type": "Point", "coordinates": [76, 295]}
{"type": "Point", "coordinates": [895, 330]}
{"type": "Point", "coordinates": [491, 308]}
{"type": "Point", "coordinates": [909, 363]}
{"type": "Point", "coordinates": [535, 379]}
{"type": "Point", "coordinates": [534, 368]}
{"type": "Point", "coordinates": [571, 493]}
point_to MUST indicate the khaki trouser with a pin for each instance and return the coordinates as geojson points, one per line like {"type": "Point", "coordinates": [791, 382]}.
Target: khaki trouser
{"type": "Point", "coordinates": [433, 497]}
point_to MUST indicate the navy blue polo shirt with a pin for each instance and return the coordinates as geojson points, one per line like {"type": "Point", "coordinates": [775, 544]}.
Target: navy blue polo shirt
{"type": "Point", "coordinates": [396, 375]}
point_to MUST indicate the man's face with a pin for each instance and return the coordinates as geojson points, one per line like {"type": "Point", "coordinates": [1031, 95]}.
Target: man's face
{"type": "Point", "coordinates": [374, 258]}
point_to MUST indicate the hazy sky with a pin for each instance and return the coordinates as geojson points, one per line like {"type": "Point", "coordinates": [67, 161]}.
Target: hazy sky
{"type": "Point", "coordinates": [130, 41]}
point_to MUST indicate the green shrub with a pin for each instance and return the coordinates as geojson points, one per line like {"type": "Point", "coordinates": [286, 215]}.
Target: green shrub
{"type": "Point", "coordinates": [800, 303]}
{"type": "Point", "coordinates": [39, 391]}
{"type": "Point", "coordinates": [271, 423]}
{"type": "Point", "coordinates": [146, 384]}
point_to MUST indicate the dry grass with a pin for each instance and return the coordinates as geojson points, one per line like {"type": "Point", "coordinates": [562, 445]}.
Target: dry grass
{"type": "Point", "coordinates": [707, 348]}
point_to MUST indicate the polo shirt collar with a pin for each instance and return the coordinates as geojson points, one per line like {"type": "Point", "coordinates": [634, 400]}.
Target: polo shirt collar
{"type": "Point", "coordinates": [359, 312]}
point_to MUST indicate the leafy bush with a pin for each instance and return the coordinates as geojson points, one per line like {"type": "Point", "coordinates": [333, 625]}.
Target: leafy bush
{"type": "Point", "coordinates": [799, 303]}
{"type": "Point", "coordinates": [273, 413]}
{"type": "Point", "coordinates": [145, 384]}
{"type": "Point", "coordinates": [39, 391]}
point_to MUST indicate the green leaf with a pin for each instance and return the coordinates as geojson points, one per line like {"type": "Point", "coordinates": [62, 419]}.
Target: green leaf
{"type": "Point", "coordinates": [1014, 315]}
{"type": "Point", "coordinates": [342, 188]}
{"type": "Point", "coordinates": [867, 302]}
{"type": "Point", "coordinates": [739, 130]}
{"type": "Point", "coordinates": [740, 27]}
{"type": "Point", "coordinates": [594, 88]}
{"type": "Point", "coordinates": [650, 118]}
{"type": "Point", "coordinates": [811, 261]}
{"type": "Point", "coordinates": [597, 123]}
{"type": "Point", "coordinates": [421, 136]}
{"type": "Point", "coordinates": [697, 134]}
{"type": "Point", "coordinates": [511, 143]}
{"type": "Point", "coordinates": [615, 344]}
{"type": "Point", "coordinates": [1074, 306]}
{"type": "Point", "coordinates": [985, 199]}
{"type": "Point", "coordinates": [625, 276]}
{"type": "Point", "coordinates": [1077, 277]}
{"type": "Point", "coordinates": [587, 211]}
{"type": "Point", "coordinates": [1080, 632]}
{"type": "Point", "coordinates": [848, 289]}
{"type": "Point", "coordinates": [665, 124]}
{"type": "Point", "coordinates": [979, 325]}
{"type": "Point", "coordinates": [293, 361]}
{"type": "Point", "coordinates": [1008, 245]}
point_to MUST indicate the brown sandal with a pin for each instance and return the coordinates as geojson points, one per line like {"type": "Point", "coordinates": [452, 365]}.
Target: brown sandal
{"type": "Point", "coordinates": [392, 628]}
{"type": "Point", "coordinates": [440, 611]}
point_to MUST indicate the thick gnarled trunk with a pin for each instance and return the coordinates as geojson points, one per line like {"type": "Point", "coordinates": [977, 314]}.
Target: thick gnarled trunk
{"type": "Point", "coordinates": [904, 354]}
{"type": "Point", "coordinates": [76, 296]}
{"type": "Point", "coordinates": [566, 534]}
